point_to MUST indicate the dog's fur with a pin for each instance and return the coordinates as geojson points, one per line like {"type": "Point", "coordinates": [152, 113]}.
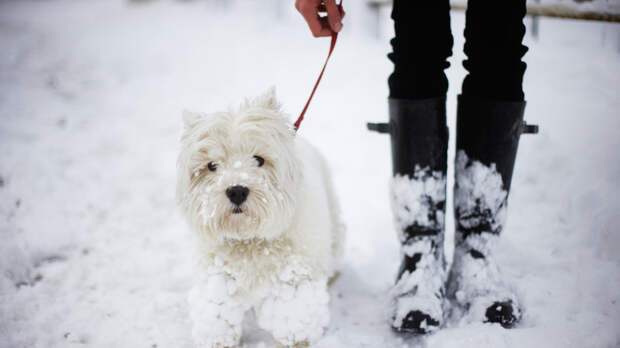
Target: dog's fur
{"type": "Point", "coordinates": [277, 254]}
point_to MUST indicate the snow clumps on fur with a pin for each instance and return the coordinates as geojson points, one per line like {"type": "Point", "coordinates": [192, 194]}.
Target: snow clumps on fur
{"type": "Point", "coordinates": [272, 252]}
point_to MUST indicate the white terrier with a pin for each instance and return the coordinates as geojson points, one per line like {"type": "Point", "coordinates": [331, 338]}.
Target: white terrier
{"type": "Point", "coordinates": [269, 233]}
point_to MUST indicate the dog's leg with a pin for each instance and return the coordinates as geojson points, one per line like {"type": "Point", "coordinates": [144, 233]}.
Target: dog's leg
{"type": "Point", "coordinates": [296, 315]}
{"type": "Point", "coordinates": [215, 314]}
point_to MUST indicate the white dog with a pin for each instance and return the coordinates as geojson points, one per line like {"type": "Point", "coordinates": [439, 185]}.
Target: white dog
{"type": "Point", "coordinates": [269, 234]}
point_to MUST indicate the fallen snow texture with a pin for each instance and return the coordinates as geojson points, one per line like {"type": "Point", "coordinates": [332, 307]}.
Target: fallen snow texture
{"type": "Point", "coordinates": [95, 254]}
{"type": "Point", "coordinates": [414, 200]}
{"type": "Point", "coordinates": [479, 190]}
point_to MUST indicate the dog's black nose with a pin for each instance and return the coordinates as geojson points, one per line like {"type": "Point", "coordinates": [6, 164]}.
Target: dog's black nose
{"type": "Point", "coordinates": [237, 194]}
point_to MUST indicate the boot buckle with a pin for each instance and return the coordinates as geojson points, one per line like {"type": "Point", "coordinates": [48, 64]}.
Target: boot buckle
{"type": "Point", "coordinates": [378, 127]}
{"type": "Point", "coordinates": [529, 128]}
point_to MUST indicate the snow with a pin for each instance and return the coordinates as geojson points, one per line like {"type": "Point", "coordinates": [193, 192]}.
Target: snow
{"type": "Point", "coordinates": [479, 190]}
{"type": "Point", "coordinates": [413, 200]}
{"type": "Point", "coordinates": [420, 290]}
{"type": "Point", "coordinates": [477, 283]}
{"type": "Point", "coordinates": [293, 314]}
{"type": "Point", "coordinates": [296, 314]}
{"type": "Point", "coordinates": [94, 252]}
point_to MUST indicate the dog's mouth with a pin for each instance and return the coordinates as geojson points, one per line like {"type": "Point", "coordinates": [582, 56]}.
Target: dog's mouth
{"type": "Point", "coordinates": [237, 210]}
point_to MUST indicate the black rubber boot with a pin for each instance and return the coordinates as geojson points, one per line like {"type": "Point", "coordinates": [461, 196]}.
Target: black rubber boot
{"type": "Point", "coordinates": [419, 148]}
{"type": "Point", "coordinates": [487, 139]}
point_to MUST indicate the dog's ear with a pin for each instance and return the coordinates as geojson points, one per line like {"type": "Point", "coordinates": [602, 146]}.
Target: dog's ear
{"type": "Point", "coordinates": [268, 99]}
{"type": "Point", "coordinates": [190, 119]}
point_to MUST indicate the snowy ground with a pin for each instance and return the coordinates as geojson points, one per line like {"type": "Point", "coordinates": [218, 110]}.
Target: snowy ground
{"type": "Point", "coordinates": [94, 253]}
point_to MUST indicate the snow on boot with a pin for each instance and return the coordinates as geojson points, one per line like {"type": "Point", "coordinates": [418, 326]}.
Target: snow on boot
{"type": "Point", "coordinates": [487, 138]}
{"type": "Point", "coordinates": [418, 203]}
{"type": "Point", "coordinates": [419, 143]}
{"type": "Point", "coordinates": [475, 280]}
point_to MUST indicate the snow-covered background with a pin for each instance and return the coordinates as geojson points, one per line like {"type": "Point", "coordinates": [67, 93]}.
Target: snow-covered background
{"type": "Point", "coordinates": [93, 251]}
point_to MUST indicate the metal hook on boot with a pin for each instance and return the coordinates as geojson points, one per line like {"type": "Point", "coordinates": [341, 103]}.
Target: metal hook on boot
{"type": "Point", "coordinates": [529, 128]}
{"type": "Point", "coordinates": [378, 127]}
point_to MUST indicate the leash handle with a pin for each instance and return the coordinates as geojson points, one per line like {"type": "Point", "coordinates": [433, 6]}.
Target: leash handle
{"type": "Point", "coordinates": [331, 49]}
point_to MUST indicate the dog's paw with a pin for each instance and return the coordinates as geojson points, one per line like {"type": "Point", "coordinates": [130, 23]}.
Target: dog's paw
{"type": "Point", "coordinates": [216, 316]}
{"type": "Point", "coordinates": [296, 315]}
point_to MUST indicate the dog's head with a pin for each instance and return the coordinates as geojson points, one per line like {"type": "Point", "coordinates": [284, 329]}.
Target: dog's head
{"type": "Point", "coordinates": [237, 171]}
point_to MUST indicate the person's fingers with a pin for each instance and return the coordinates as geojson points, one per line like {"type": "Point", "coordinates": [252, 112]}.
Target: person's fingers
{"type": "Point", "coordinates": [309, 11]}
{"type": "Point", "coordinates": [323, 9]}
{"type": "Point", "coordinates": [325, 29]}
{"type": "Point", "coordinates": [321, 26]}
{"type": "Point", "coordinates": [334, 16]}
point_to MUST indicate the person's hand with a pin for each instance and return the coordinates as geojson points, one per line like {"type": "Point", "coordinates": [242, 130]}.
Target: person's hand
{"type": "Point", "coordinates": [321, 26]}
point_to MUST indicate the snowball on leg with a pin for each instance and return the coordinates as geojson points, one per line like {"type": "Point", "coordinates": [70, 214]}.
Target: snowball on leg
{"type": "Point", "coordinates": [215, 314]}
{"type": "Point", "coordinates": [296, 315]}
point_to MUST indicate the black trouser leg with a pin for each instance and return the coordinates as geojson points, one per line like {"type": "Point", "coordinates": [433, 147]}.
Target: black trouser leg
{"type": "Point", "coordinates": [420, 49]}
{"type": "Point", "coordinates": [494, 33]}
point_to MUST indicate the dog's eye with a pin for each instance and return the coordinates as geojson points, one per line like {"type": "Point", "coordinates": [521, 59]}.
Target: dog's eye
{"type": "Point", "coordinates": [260, 160]}
{"type": "Point", "coordinates": [212, 166]}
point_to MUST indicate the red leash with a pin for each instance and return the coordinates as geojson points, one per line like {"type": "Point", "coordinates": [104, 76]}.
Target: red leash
{"type": "Point", "coordinates": [331, 49]}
